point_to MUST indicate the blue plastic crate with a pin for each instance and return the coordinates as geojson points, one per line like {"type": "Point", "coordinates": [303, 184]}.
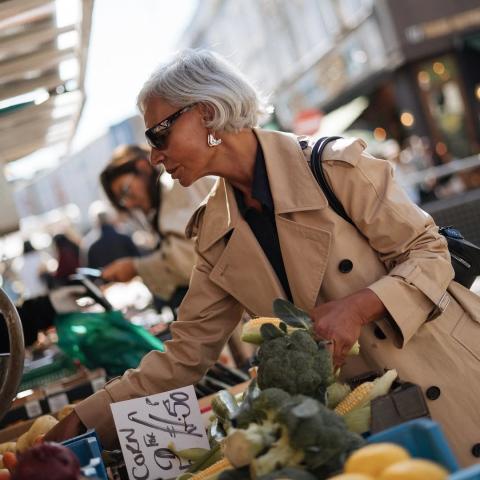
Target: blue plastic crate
{"type": "Point", "coordinates": [423, 438]}
{"type": "Point", "coordinates": [471, 473]}
{"type": "Point", "coordinates": [87, 449]}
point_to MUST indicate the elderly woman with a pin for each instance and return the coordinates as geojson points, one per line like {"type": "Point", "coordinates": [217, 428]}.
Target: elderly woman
{"type": "Point", "coordinates": [267, 231]}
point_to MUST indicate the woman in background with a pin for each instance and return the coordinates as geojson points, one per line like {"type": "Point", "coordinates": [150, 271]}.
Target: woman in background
{"type": "Point", "coordinates": [135, 187]}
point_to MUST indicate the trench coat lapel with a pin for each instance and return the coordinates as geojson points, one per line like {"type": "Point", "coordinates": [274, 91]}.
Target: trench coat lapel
{"type": "Point", "coordinates": [297, 199]}
{"type": "Point", "coordinates": [243, 270]}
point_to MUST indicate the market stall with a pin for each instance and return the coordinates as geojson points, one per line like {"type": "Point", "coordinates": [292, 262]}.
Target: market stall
{"type": "Point", "coordinates": [295, 418]}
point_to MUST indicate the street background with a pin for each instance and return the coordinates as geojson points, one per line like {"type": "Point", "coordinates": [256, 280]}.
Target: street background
{"type": "Point", "coordinates": [402, 75]}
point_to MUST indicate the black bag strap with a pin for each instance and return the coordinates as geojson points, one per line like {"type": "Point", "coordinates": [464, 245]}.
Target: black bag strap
{"type": "Point", "coordinates": [318, 173]}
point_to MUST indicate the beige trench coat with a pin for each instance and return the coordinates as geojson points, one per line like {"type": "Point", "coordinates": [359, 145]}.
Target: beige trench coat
{"type": "Point", "coordinates": [169, 267]}
{"type": "Point", "coordinates": [396, 251]}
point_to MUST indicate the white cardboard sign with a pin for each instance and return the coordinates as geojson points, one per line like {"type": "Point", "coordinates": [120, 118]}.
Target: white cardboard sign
{"type": "Point", "coordinates": [146, 426]}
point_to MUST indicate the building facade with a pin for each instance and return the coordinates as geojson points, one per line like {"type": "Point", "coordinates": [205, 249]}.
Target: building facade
{"type": "Point", "coordinates": [416, 62]}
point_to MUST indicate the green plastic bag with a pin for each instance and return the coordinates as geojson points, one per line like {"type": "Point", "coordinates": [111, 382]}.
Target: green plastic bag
{"type": "Point", "coordinates": [104, 339]}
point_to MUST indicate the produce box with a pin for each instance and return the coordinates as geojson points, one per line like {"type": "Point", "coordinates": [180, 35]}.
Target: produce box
{"type": "Point", "coordinates": [51, 398]}
{"type": "Point", "coordinates": [424, 438]}
{"type": "Point", "coordinates": [87, 449]}
{"type": "Point", "coordinates": [471, 473]}
{"type": "Point", "coordinates": [57, 368]}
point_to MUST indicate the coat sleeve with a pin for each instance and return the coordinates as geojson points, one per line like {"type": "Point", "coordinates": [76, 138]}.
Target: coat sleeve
{"type": "Point", "coordinates": [168, 267]}
{"type": "Point", "coordinates": [206, 319]}
{"type": "Point", "coordinates": [171, 265]}
{"type": "Point", "coordinates": [415, 254]}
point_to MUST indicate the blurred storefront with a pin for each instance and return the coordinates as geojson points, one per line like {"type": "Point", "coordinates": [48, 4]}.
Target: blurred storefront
{"type": "Point", "coordinates": [438, 83]}
{"type": "Point", "coordinates": [416, 62]}
{"type": "Point", "coordinates": [403, 75]}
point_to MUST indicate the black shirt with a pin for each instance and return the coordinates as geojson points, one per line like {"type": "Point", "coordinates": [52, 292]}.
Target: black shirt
{"type": "Point", "coordinates": [262, 223]}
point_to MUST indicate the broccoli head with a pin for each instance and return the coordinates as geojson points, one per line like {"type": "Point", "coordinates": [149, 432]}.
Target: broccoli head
{"type": "Point", "coordinates": [259, 406]}
{"type": "Point", "coordinates": [295, 363]}
{"type": "Point", "coordinates": [297, 431]}
{"type": "Point", "coordinates": [319, 432]}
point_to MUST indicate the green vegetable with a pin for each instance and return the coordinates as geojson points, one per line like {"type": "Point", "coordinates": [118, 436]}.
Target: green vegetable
{"type": "Point", "coordinates": [185, 476]}
{"type": "Point", "coordinates": [279, 455]}
{"type": "Point", "coordinates": [294, 317]}
{"type": "Point", "coordinates": [336, 392]}
{"type": "Point", "coordinates": [251, 329]}
{"type": "Point", "coordinates": [242, 446]}
{"type": "Point", "coordinates": [225, 407]}
{"type": "Point", "coordinates": [211, 456]}
{"type": "Point", "coordinates": [281, 430]}
{"type": "Point", "coordinates": [259, 406]}
{"type": "Point", "coordinates": [295, 363]}
{"type": "Point", "coordinates": [358, 420]}
{"type": "Point", "coordinates": [215, 432]}
{"type": "Point", "coordinates": [192, 454]}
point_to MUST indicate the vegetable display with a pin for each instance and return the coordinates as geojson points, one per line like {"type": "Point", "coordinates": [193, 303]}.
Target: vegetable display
{"type": "Point", "coordinates": [296, 420]}
{"type": "Point", "coordinates": [278, 430]}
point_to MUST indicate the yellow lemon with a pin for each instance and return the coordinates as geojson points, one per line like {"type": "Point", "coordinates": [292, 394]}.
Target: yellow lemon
{"type": "Point", "coordinates": [414, 469]}
{"type": "Point", "coordinates": [373, 459]}
{"type": "Point", "coordinates": [352, 476]}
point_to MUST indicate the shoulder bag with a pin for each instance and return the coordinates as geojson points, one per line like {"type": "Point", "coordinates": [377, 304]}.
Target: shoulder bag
{"type": "Point", "coordinates": [464, 254]}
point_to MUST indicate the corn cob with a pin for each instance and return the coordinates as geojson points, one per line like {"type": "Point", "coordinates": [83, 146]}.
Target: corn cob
{"type": "Point", "coordinates": [213, 471]}
{"type": "Point", "coordinates": [251, 330]}
{"type": "Point", "coordinates": [355, 399]}
{"type": "Point", "coordinates": [366, 392]}
{"type": "Point", "coordinates": [259, 321]}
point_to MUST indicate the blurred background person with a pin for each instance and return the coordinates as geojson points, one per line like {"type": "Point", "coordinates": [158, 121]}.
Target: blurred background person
{"type": "Point", "coordinates": [68, 258]}
{"type": "Point", "coordinates": [30, 271]}
{"type": "Point", "coordinates": [104, 243]}
{"type": "Point", "coordinates": [153, 198]}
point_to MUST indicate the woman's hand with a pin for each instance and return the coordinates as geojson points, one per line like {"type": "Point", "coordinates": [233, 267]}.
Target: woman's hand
{"type": "Point", "coordinates": [341, 320]}
{"type": "Point", "coordinates": [122, 270]}
{"type": "Point", "coordinates": [69, 427]}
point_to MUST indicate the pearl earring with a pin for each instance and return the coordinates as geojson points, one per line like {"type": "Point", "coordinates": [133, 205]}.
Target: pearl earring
{"type": "Point", "coordinates": [212, 141]}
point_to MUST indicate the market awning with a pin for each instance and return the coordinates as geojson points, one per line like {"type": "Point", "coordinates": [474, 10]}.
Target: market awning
{"type": "Point", "coordinates": [43, 54]}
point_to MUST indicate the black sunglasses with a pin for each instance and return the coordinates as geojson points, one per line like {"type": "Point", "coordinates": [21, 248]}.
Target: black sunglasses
{"type": "Point", "coordinates": [158, 134]}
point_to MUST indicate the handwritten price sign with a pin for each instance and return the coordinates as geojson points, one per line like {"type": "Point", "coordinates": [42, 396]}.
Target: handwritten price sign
{"type": "Point", "coordinates": [147, 425]}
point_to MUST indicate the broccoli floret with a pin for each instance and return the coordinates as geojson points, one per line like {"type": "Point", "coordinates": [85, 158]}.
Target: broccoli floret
{"type": "Point", "coordinates": [320, 433]}
{"type": "Point", "coordinates": [262, 432]}
{"type": "Point", "coordinates": [294, 363]}
{"type": "Point", "coordinates": [259, 406]}
{"type": "Point", "coordinates": [294, 431]}
{"type": "Point", "coordinates": [280, 454]}
{"type": "Point", "coordinates": [243, 445]}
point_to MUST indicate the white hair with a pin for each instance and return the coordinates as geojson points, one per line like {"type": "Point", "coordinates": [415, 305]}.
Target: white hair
{"type": "Point", "coordinates": [202, 76]}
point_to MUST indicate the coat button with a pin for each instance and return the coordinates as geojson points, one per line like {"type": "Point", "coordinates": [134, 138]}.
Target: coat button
{"type": "Point", "coordinates": [345, 265]}
{"type": "Point", "coordinates": [433, 393]}
{"type": "Point", "coordinates": [378, 332]}
{"type": "Point", "coordinates": [476, 450]}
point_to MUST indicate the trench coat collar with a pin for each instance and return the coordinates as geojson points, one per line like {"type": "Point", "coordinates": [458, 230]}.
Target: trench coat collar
{"type": "Point", "coordinates": [291, 183]}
